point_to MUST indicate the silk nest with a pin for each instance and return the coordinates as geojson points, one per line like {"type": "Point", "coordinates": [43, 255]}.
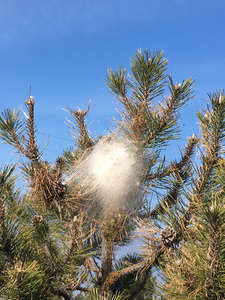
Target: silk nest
{"type": "Point", "coordinates": [110, 176]}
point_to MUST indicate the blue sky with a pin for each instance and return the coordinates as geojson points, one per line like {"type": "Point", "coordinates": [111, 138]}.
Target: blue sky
{"type": "Point", "coordinates": [62, 48]}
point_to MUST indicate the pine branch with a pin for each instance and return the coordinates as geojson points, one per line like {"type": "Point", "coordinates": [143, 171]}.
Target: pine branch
{"type": "Point", "coordinates": [61, 293]}
{"type": "Point", "coordinates": [148, 70]}
{"type": "Point", "coordinates": [146, 264]}
{"type": "Point", "coordinates": [8, 198]}
{"type": "Point", "coordinates": [110, 230]}
{"type": "Point", "coordinates": [165, 122]}
{"type": "Point", "coordinates": [84, 139]}
{"type": "Point", "coordinates": [176, 167]}
{"type": "Point", "coordinates": [83, 289]}
{"type": "Point", "coordinates": [212, 123]}
{"type": "Point", "coordinates": [11, 129]}
{"type": "Point", "coordinates": [180, 171]}
{"type": "Point", "coordinates": [140, 286]}
{"type": "Point", "coordinates": [107, 253]}
{"type": "Point", "coordinates": [66, 259]}
{"type": "Point", "coordinates": [140, 119]}
{"type": "Point", "coordinates": [75, 241]}
{"type": "Point", "coordinates": [213, 255]}
{"type": "Point", "coordinates": [7, 181]}
{"type": "Point", "coordinates": [118, 83]}
{"type": "Point", "coordinates": [31, 144]}
{"type": "Point", "coordinates": [147, 82]}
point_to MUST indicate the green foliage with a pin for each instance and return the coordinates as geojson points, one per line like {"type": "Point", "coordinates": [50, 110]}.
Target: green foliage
{"type": "Point", "coordinates": [50, 243]}
{"type": "Point", "coordinates": [153, 125]}
{"type": "Point", "coordinates": [96, 295]}
{"type": "Point", "coordinates": [134, 285]}
{"type": "Point", "coordinates": [148, 71]}
{"type": "Point", "coordinates": [148, 78]}
{"type": "Point", "coordinates": [34, 246]}
{"type": "Point", "coordinates": [11, 127]}
{"type": "Point", "coordinates": [117, 82]}
{"type": "Point", "coordinates": [195, 269]}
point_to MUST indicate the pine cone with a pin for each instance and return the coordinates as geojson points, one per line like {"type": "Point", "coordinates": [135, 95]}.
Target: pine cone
{"type": "Point", "coordinates": [37, 219]}
{"type": "Point", "coordinates": [168, 236]}
{"type": "Point", "coordinates": [60, 189]}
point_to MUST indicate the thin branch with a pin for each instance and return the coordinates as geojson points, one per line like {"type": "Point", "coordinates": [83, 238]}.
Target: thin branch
{"type": "Point", "coordinates": [176, 167]}
{"type": "Point", "coordinates": [84, 139]}
{"type": "Point", "coordinates": [83, 289]}
{"type": "Point", "coordinates": [146, 264]}
{"type": "Point", "coordinates": [212, 136]}
{"type": "Point", "coordinates": [61, 293]}
{"type": "Point", "coordinates": [165, 119]}
{"type": "Point", "coordinates": [178, 170]}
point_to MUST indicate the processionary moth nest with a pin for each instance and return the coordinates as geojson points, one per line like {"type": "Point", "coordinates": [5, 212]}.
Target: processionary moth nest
{"type": "Point", "coordinates": [111, 175]}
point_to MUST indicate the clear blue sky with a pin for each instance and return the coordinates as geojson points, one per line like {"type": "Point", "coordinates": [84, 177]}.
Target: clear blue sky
{"type": "Point", "coordinates": [62, 48]}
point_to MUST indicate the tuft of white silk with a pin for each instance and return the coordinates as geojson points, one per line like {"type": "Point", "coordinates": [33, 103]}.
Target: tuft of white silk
{"type": "Point", "coordinates": [111, 175]}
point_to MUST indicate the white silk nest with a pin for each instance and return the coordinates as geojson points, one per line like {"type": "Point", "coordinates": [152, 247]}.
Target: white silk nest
{"type": "Point", "coordinates": [111, 176]}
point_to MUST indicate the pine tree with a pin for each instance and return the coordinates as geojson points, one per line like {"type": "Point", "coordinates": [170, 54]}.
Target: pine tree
{"type": "Point", "coordinates": [195, 270]}
{"type": "Point", "coordinates": [42, 245]}
{"type": "Point", "coordinates": [60, 234]}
